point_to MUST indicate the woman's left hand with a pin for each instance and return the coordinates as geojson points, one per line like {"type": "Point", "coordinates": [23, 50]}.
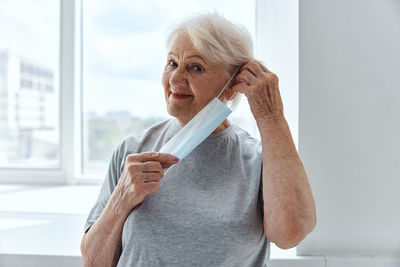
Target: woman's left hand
{"type": "Point", "coordinates": [261, 89]}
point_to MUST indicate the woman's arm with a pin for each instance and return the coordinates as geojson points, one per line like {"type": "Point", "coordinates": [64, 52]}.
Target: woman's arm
{"type": "Point", "coordinates": [289, 207]}
{"type": "Point", "coordinates": [101, 245]}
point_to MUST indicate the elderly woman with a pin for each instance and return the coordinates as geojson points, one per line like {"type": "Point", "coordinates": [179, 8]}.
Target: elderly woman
{"type": "Point", "coordinates": [232, 195]}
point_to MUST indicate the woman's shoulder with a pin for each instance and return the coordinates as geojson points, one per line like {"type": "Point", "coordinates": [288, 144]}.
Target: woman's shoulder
{"type": "Point", "coordinates": [248, 144]}
{"type": "Point", "coordinates": [236, 138]}
{"type": "Point", "coordinates": [243, 136]}
{"type": "Point", "coordinates": [238, 145]}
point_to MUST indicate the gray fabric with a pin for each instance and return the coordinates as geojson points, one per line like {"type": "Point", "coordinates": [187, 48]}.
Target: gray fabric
{"type": "Point", "coordinates": [208, 211]}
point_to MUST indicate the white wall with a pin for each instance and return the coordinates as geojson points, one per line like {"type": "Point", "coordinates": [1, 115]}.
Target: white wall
{"type": "Point", "coordinates": [349, 124]}
{"type": "Point", "coordinates": [277, 45]}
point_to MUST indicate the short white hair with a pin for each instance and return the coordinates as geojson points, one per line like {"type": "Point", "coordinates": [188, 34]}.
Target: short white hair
{"type": "Point", "coordinates": [219, 41]}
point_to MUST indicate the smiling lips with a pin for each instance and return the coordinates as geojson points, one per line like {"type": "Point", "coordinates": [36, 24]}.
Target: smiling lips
{"type": "Point", "coordinates": [180, 96]}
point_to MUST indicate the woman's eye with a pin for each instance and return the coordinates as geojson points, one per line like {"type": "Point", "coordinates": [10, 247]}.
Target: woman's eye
{"type": "Point", "coordinates": [197, 68]}
{"type": "Point", "coordinates": [172, 63]}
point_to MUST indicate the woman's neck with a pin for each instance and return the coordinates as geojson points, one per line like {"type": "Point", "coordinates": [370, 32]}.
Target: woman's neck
{"type": "Point", "coordinates": [225, 124]}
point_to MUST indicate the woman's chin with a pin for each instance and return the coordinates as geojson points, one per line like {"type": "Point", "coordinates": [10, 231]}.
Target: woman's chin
{"type": "Point", "coordinates": [175, 112]}
{"type": "Point", "coordinates": [179, 114]}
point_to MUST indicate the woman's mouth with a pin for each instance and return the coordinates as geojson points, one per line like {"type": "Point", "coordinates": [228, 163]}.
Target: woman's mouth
{"type": "Point", "coordinates": [180, 96]}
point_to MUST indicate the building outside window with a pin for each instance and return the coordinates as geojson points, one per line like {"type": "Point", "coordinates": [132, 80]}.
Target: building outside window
{"type": "Point", "coordinates": [29, 103]}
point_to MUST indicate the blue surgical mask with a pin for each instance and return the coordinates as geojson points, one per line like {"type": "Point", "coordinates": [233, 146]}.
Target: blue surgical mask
{"type": "Point", "coordinates": [199, 128]}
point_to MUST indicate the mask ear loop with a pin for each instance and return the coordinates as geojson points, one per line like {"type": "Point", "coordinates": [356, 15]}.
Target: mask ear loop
{"type": "Point", "coordinates": [226, 85]}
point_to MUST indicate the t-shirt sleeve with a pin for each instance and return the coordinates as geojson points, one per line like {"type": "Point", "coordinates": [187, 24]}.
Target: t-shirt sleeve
{"type": "Point", "coordinates": [109, 184]}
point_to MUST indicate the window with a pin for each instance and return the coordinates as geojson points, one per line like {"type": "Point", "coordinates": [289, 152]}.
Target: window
{"type": "Point", "coordinates": [124, 54]}
{"type": "Point", "coordinates": [122, 67]}
{"type": "Point", "coordinates": [117, 67]}
{"type": "Point", "coordinates": [29, 58]}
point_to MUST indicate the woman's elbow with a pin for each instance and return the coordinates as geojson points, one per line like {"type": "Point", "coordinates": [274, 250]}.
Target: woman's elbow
{"type": "Point", "coordinates": [295, 234]}
{"type": "Point", "coordinates": [84, 252]}
{"type": "Point", "coordinates": [290, 242]}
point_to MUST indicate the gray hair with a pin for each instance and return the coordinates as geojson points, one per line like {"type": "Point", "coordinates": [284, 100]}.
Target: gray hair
{"type": "Point", "coordinates": [218, 40]}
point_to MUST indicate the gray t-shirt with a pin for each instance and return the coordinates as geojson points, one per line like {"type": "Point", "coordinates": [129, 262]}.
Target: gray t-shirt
{"type": "Point", "coordinates": [208, 211]}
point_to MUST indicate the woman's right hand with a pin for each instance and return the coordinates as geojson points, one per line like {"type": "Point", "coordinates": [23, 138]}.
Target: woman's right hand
{"type": "Point", "coordinates": [140, 177]}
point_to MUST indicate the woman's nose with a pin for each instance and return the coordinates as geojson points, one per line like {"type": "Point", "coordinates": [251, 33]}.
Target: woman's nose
{"type": "Point", "coordinates": [178, 78]}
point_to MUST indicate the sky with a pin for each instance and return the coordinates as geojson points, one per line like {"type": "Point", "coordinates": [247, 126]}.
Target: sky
{"type": "Point", "coordinates": [30, 29]}
{"type": "Point", "coordinates": [125, 52]}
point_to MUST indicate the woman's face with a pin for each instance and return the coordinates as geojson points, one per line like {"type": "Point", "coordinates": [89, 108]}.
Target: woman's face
{"type": "Point", "coordinates": [189, 81]}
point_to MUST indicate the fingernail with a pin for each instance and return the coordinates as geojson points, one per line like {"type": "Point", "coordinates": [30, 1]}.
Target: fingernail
{"type": "Point", "coordinates": [155, 154]}
{"type": "Point", "coordinates": [176, 159]}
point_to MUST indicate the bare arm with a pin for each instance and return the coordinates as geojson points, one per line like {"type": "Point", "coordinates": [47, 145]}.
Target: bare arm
{"type": "Point", "coordinates": [101, 245]}
{"type": "Point", "coordinates": [289, 207]}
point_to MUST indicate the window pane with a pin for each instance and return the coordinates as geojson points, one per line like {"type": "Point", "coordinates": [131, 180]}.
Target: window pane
{"type": "Point", "coordinates": [124, 55]}
{"type": "Point", "coordinates": [29, 102]}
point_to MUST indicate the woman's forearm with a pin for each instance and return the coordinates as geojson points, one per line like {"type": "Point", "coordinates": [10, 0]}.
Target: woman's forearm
{"type": "Point", "coordinates": [101, 245]}
{"type": "Point", "coordinates": [289, 207]}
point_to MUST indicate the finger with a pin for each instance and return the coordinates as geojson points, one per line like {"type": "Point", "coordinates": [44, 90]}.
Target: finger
{"type": "Point", "coordinates": [148, 188]}
{"type": "Point", "coordinates": [167, 160]}
{"type": "Point", "coordinates": [153, 172]}
{"type": "Point", "coordinates": [254, 68]}
{"type": "Point", "coordinates": [246, 76]}
{"type": "Point", "coordinates": [166, 165]}
{"type": "Point", "coordinates": [163, 158]}
{"type": "Point", "coordinates": [151, 166]}
{"type": "Point", "coordinates": [150, 177]}
{"type": "Point", "coordinates": [142, 157]}
{"type": "Point", "coordinates": [133, 169]}
{"type": "Point", "coordinates": [240, 87]}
